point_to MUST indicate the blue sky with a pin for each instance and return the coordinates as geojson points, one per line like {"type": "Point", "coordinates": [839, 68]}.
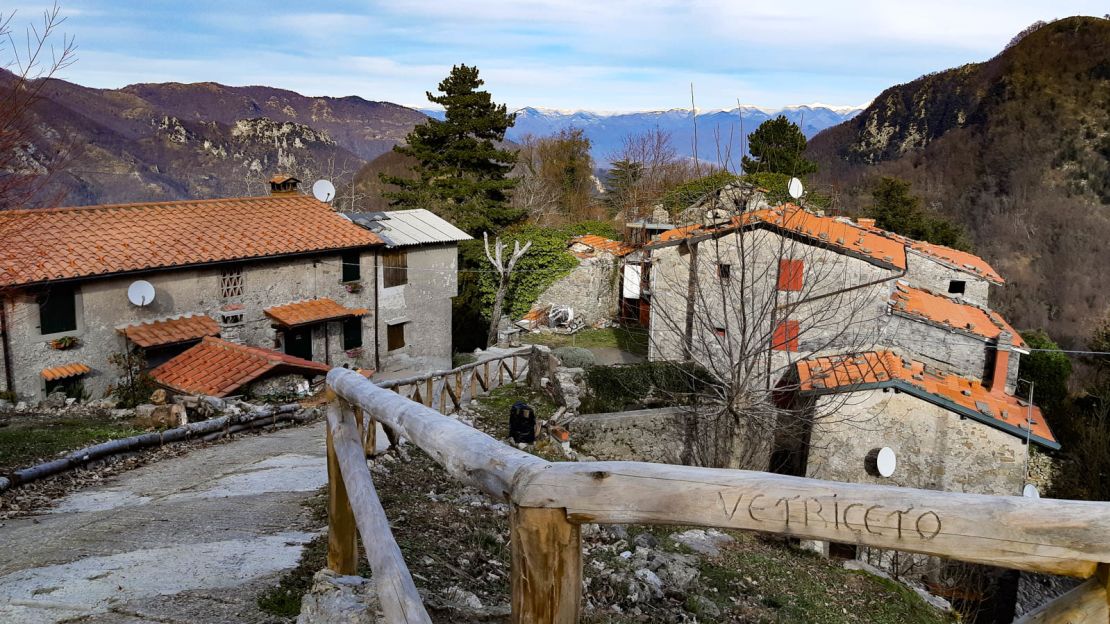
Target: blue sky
{"type": "Point", "coordinates": [598, 55]}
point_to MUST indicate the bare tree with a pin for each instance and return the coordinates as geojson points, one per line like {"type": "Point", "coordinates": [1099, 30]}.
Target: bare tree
{"type": "Point", "coordinates": [644, 169]}
{"type": "Point", "coordinates": [505, 272]}
{"type": "Point", "coordinates": [533, 193]}
{"type": "Point", "coordinates": [743, 300]}
{"type": "Point", "coordinates": [28, 63]}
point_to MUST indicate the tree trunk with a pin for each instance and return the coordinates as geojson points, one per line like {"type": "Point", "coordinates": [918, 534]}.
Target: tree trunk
{"type": "Point", "coordinates": [495, 314]}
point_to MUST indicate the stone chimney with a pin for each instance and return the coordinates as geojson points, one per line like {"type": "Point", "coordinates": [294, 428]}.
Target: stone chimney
{"type": "Point", "coordinates": [282, 184]}
{"type": "Point", "coordinates": [1001, 363]}
{"type": "Point", "coordinates": [867, 223]}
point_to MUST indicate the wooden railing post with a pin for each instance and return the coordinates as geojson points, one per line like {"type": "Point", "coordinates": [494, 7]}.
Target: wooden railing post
{"type": "Point", "coordinates": [546, 566]}
{"type": "Point", "coordinates": [342, 534]}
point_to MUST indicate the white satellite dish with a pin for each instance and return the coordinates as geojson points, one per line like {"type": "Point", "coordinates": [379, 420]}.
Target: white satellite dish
{"type": "Point", "coordinates": [140, 293]}
{"type": "Point", "coordinates": [886, 462]}
{"type": "Point", "coordinates": [1030, 491]}
{"type": "Point", "coordinates": [324, 191]}
{"type": "Point", "coordinates": [795, 188]}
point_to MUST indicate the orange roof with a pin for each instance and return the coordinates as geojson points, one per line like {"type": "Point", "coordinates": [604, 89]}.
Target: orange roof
{"type": "Point", "coordinates": [602, 244]}
{"type": "Point", "coordinates": [824, 231]}
{"type": "Point", "coordinates": [281, 177]}
{"type": "Point", "coordinates": [171, 331]}
{"type": "Point", "coordinates": [961, 260]}
{"type": "Point", "coordinates": [65, 370]}
{"type": "Point", "coordinates": [216, 367]}
{"type": "Point", "coordinates": [311, 311]}
{"type": "Point", "coordinates": [66, 243]}
{"type": "Point", "coordinates": [862, 371]}
{"type": "Point", "coordinates": [951, 313]}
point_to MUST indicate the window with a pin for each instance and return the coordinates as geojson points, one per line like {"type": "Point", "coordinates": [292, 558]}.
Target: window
{"type": "Point", "coordinates": [395, 336]}
{"type": "Point", "coordinates": [724, 271]}
{"type": "Point", "coordinates": [786, 336]}
{"type": "Point", "coordinates": [231, 282]}
{"type": "Point", "coordinates": [352, 271]}
{"type": "Point", "coordinates": [395, 269]}
{"type": "Point", "coordinates": [352, 333]}
{"type": "Point", "coordinates": [957, 287]}
{"type": "Point", "coordinates": [58, 310]}
{"type": "Point", "coordinates": [790, 274]}
{"type": "Point", "coordinates": [720, 331]}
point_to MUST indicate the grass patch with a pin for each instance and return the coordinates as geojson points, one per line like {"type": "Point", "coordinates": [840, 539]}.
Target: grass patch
{"type": "Point", "coordinates": [27, 441]}
{"type": "Point", "coordinates": [629, 339]}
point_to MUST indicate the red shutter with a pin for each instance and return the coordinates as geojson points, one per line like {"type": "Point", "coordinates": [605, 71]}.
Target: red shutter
{"type": "Point", "coordinates": [790, 274]}
{"type": "Point", "coordinates": [786, 336]}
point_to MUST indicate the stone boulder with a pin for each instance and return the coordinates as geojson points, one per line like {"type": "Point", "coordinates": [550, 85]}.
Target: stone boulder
{"type": "Point", "coordinates": [149, 416]}
{"type": "Point", "coordinates": [338, 599]}
{"type": "Point", "coordinates": [54, 400]}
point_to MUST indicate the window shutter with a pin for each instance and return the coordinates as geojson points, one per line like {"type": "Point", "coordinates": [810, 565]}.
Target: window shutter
{"type": "Point", "coordinates": [786, 336]}
{"type": "Point", "coordinates": [790, 274]}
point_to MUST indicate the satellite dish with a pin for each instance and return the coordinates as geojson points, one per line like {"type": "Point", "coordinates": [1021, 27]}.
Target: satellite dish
{"type": "Point", "coordinates": [886, 462]}
{"type": "Point", "coordinates": [795, 188]}
{"type": "Point", "coordinates": [324, 191]}
{"type": "Point", "coordinates": [140, 293]}
{"type": "Point", "coordinates": [1030, 491]}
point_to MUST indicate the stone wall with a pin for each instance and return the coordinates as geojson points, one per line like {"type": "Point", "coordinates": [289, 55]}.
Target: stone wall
{"type": "Point", "coordinates": [936, 448]}
{"type": "Point", "coordinates": [103, 308]}
{"type": "Point", "coordinates": [651, 435]}
{"type": "Point", "coordinates": [591, 289]}
{"type": "Point", "coordinates": [925, 272]}
{"type": "Point", "coordinates": [423, 305]}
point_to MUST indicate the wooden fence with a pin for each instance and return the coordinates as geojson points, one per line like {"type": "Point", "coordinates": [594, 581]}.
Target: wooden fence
{"type": "Point", "coordinates": [549, 501]}
{"type": "Point", "coordinates": [449, 391]}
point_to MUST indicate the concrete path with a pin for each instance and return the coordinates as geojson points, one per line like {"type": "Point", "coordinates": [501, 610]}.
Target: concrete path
{"type": "Point", "coordinates": [189, 539]}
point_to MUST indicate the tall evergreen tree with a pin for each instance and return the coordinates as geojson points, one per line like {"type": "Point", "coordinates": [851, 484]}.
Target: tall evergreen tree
{"type": "Point", "coordinates": [460, 174]}
{"type": "Point", "coordinates": [776, 146]}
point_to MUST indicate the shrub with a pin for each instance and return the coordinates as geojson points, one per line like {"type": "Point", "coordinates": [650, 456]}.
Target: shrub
{"type": "Point", "coordinates": [135, 385]}
{"type": "Point", "coordinates": [575, 357]}
{"type": "Point", "coordinates": [631, 386]}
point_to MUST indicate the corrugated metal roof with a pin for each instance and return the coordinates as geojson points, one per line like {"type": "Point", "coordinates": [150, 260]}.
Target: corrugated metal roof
{"type": "Point", "coordinates": [419, 227]}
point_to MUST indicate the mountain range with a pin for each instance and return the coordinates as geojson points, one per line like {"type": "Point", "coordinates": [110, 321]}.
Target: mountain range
{"type": "Point", "coordinates": [1017, 150]}
{"type": "Point", "coordinates": [724, 128]}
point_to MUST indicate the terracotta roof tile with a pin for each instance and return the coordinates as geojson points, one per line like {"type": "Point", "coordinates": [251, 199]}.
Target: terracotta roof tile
{"type": "Point", "coordinates": [825, 231]}
{"type": "Point", "coordinates": [950, 313]}
{"type": "Point", "coordinates": [66, 243]}
{"type": "Point", "coordinates": [65, 370]}
{"type": "Point", "coordinates": [849, 373]}
{"type": "Point", "coordinates": [311, 311]}
{"type": "Point", "coordinates": [171, 331]}
{"type": "Point", "coordinates": [216, 367]}
{"type": "Point", "coordinates": [600, 244]}
{"type": "Point", "coordinates": [960, 260]}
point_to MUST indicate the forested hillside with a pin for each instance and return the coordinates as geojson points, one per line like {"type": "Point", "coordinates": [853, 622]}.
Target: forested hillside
{"type": "Point", "coordinates": [1017, 150]}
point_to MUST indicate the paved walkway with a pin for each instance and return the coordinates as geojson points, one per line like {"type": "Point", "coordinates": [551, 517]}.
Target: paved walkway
{"type": "Point", "coordinates": [188, 539]}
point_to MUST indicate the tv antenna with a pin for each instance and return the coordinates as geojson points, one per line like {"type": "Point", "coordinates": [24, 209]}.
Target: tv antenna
{"type": "Point", "coordinates": [324, 191]}
{"type": "Point", "coordinates": [140, 293]}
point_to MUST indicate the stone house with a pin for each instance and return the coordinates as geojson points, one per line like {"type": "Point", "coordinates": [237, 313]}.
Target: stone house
{"type": "Point", "coordinates": [283, 273]}
{"type": "Point", "coordinates": [417, 279]}
{"type": "Point", "coordinates": [591, 288]}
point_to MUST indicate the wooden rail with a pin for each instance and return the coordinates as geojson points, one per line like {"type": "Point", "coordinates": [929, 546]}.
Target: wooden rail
{"type": "Point", "coordinates": [549, 501]}
{"type": "Point", "coordinates": [449, 391]}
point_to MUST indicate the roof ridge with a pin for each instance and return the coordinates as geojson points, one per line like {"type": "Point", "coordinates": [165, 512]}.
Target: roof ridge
{"type": "Point", "coordinates": [171, 202]}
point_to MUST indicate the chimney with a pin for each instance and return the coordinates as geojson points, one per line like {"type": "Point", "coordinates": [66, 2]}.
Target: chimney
{"type": "Point", "coordinates": [282, 184]}
{"type": "Point", "coordinates": [867, 223]}
{"type": "Point", "coordinates": [1001, 363]}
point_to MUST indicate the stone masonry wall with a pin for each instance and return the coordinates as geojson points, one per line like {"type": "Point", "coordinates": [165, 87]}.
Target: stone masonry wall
{"type": "Point", "coordinates": [651, 435]}
{"type": "Point", "coordinates": [925, 272]}
{"type": "Point", "coordinates": [590, 289]}
{"type": "Point", "coordinates": [102, 307]}
{"type": "Point", "coordinates": [936, 449]}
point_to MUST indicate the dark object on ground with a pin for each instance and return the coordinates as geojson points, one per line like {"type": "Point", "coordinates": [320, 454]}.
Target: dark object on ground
{"type": "Point", "coordinates": [522, 423]}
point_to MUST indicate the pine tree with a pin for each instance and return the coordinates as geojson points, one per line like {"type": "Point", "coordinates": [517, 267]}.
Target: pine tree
{"type": "Point", "coordinates": [460, 172]}
{"type": "Point", "coordinates": [776, 146]}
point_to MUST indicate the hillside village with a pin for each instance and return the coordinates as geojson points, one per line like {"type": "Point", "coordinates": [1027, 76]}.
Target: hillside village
{"type": "Point", "coordinates": [487, 381]}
